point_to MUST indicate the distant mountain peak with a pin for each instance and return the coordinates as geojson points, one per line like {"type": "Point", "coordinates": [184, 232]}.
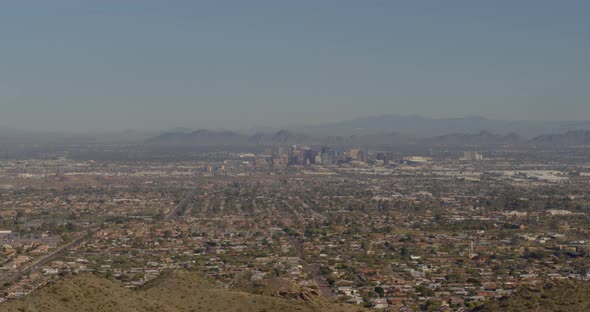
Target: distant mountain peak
{"type": "Point", "coordinates": [571, 137]}
{"type": "Point", "coordinates": [419, 126]}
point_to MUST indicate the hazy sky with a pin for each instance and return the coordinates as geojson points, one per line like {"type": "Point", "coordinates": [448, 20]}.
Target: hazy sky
{"type": "Point", "coordinates": [158, 64]}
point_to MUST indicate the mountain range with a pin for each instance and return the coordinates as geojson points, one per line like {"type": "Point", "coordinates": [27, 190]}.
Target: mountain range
{"type": "Point", "coordinates": [420, 126]}
{"type": "Point", "coordinates": [228, 140]}
{"type": "Point", "coordinates": [371, 132]}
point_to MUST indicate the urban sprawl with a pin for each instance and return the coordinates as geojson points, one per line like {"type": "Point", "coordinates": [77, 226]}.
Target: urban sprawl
{"type": "Point", "coordinates": [381, 229]}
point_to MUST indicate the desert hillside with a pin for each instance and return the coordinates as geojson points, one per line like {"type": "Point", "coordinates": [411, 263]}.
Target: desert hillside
{"type": "Point", "coordinates": [565, 296]}
{"type": "Point", "coordinates": [172, 292]}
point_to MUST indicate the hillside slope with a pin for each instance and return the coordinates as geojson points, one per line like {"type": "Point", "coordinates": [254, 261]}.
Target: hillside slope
{"type": "Point", "coordinates": [566, 296]}
{"type": "Point", "coordinates": [172, 292]}
{"type": "Point", "coordinates": [82, 293]}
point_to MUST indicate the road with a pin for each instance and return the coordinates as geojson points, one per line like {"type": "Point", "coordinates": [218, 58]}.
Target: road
{"type": "Point", "coordinates": [180, 208]}
{"type": "Point", "coordinates": [37, 264]}
{"type": "Point", "coordinates": [314, 269]}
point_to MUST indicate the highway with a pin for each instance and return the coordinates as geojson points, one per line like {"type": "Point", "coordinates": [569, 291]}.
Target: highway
{"type": "Point", "coordinates": [313, 269]}
{"type": "Point", "coordinates": [37, 264]}
{"type": "Point", "coordinates": [180, 208]}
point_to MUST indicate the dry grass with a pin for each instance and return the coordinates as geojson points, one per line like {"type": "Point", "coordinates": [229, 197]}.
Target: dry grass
{"type": "Point", "coordinates": [565, 296]}
{"type": "Point", "coordinates": [172, 292]}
